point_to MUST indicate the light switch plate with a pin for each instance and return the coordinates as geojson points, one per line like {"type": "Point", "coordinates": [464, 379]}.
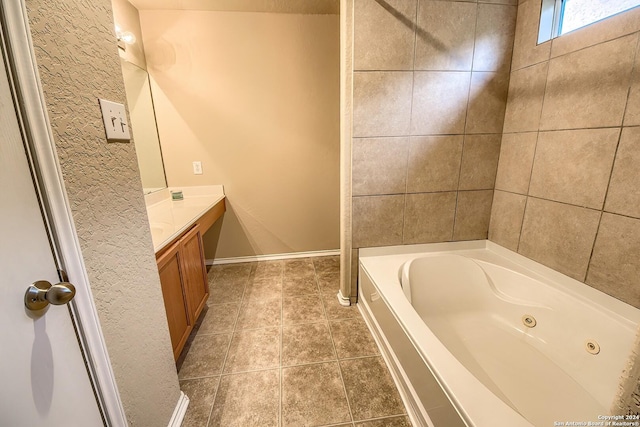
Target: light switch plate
{"type": "Point", "coordinates": [114, 117]}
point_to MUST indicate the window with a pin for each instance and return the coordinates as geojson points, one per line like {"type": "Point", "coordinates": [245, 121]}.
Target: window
{"type": "Point", "coordinates": [562, 16]}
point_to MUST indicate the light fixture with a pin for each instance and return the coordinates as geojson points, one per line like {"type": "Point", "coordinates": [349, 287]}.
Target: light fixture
{"type": "Point", "coordinates": [124, 38]}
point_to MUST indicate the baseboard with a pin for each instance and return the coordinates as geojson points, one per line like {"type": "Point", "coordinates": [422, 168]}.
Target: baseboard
{"type": "Point", "coordinates": [415, 410]}
{"type": "Point", "coordinates": [180, 411]}
{"type": "Point", "coordinates": [344, 301]}
{"type": "Point", "coordinates": [273, 257]}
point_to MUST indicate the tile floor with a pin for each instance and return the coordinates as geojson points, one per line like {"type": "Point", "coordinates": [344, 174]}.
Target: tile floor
{"type": "Point", "coordinates": [274, 348]}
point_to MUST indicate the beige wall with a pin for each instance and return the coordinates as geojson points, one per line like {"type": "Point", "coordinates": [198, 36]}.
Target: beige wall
{"type": "Point", "coordinates": [78, 62]}
{"type": "Point", "coordinates": [255, 98]}
{"type": "Point", "coordinates": [430, 88]}
{"type": "Point", "coordinates": [567, 184]}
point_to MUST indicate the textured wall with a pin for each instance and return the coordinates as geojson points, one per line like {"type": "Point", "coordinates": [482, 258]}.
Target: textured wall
{"type": "Point", "coordinates": [255, 98]}
{"type": "Point", "coordinates": [568, 186]}
{"type": "Point", "coordinates": [78, 62]}
{"type": "Point", "coordinates": [428, 104]}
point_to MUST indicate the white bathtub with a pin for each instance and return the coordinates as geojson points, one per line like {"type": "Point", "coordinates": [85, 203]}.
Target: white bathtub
{"type": "Point", "coordinates": [452, 321]}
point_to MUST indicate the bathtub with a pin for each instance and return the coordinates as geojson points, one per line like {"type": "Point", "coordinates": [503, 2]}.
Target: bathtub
{"type": "Point", "coordinates": [477, 335]}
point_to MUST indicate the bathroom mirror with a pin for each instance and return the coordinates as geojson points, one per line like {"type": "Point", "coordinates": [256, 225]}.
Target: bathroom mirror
{"type": "Point", "coordinates": [143, 126]}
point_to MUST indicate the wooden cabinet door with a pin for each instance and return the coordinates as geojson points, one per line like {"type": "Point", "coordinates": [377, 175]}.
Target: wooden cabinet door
{"type": "Point", "coordinates": [195, 273]}
{"type": "Point", "coordinates": [170, 266]}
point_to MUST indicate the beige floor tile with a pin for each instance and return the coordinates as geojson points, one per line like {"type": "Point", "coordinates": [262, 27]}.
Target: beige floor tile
{"type": "Point", "coordinates": [247, 399]}
{"type": "Point", "coordinates": [302, 309]}
{"type": "Point", "coordinates": [334, 310]}
{"type": "Point", "coordinates": [260, 314]}
{"type": "Point", "coordinates": [370, 389]}
{"type": "Point", "coordinates": [313, 395]}
{"type": "Point", "coordinates": [205, 357]}
{"type": "Point", "coordinates": [231, 272]}
{"type": "Point", "coordinates": [262, 289]}
{"type": "Point", "coordinates": [298, 266]}
{"type": "Point", "coordinates": [253, 349]}
{"type": "Point", "coordinates": [267, 269]}
{"type": "Point", "coordinates": [352, 339]}
{"type": "Point", "coordinates": [327, 264]}
{"type": "Point", "coordinates": [309, 343]}
{"type": "Point", "coordinates": [218, 319]}
{"type": "Point", "coordinates": [329, 282]}
{"type": "Point", "coordinates": [225, 292]}
{"type": "Point", "coordinates": [201, 393]}
{"type": "Point", "coordinates": [386, 422]}
{"type": "Point", "coordinates": [302, 284]}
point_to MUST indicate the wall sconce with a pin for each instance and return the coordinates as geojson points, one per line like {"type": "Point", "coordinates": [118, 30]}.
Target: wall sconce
{"type": "Point", "coordinates": [124, 38]}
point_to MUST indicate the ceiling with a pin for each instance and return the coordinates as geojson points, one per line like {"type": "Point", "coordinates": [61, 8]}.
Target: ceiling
{"type": "Point", "coordinates": [274, 6]}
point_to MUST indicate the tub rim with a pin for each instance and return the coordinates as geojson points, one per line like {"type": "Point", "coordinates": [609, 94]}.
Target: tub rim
{"type": "Point", "coordinates": [460, 385]}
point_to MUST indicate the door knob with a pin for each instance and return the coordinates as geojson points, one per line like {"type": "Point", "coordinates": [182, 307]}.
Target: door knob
{"type": "Point", "coordinates": [42, 293]}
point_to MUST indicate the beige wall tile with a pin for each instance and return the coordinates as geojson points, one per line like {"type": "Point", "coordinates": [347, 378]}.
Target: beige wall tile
{"type": "Point", "coordinates": [429, 217]}
{"type": "Point", "coordinates": [559, 236]}
{"type": "Point", "coordinates": [487, 102]}
{"type": "Point", "coordinates": [439, 102]}
{"type": "Point", "coordinates": [377, 220]}
{"type": "Point", "coordinates": [391, 49]}
{"type": "Point", "coordinates": [494, 37]}
{"type": "Point", "coordinates": [516, 161]}
{"type": "Point", "coordinates": [608, 29]}
{"type": "Point", "coordinates": [615, 265]}
{"type": "Point", "coordinates": [623, 196]}
{"type": "Point", "coordinates": [588, 88]}
{"type": "Point", "coordinates": [473, 212]}
{"type": "Point", "coordinates": [632, 113]}
{"type": "Point", "coordinates": [381, 103]}
{"type": "Point", "coordinates": [507, 213]}
{"type": "Point", "coordinates": [480, 155]}
{"type": "Point", "coordinates": [445, 35]}
{"type": "Point", "coordinates": [526, 50]}
{"type": "Point", "coordinates": [379, 165]}
{"type": "Point", "coordinates": [434, 163]}
{"type": "Point", "coordinates": [524, 103]}
{"type": "Point", "coordinates": [574, 166]}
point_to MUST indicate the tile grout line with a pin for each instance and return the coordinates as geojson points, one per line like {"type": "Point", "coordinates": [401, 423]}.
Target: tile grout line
{"type": "Point", "coordinates": [535, 149]}
{"type": "Point", "coordinates": [615, 155]}
{"type": "Point", "coordinates": [464, 126]}
{"type": "Point", "coordinates": [224, 363]}
{"type": "Point", "coordinates": [335, 351]}
{"type": "Point", "coordinates": [413, 89]}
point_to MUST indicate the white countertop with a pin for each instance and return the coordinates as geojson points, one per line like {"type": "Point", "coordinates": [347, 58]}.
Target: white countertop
{"type": "Point", "coordinates": [168, 219]}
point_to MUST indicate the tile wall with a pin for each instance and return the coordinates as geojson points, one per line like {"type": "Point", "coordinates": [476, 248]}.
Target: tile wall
{"type": "Point", "coordinates": [429, 94]}
{"type": "Point", "coordinates": [567, 190]}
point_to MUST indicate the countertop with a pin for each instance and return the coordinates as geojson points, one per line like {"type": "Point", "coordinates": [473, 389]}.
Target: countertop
{"type": "Point", "coordinates": [168, 219]}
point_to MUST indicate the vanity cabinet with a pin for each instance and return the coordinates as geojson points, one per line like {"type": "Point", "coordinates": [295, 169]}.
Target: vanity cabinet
{"type": "Point", "coordinates": [185, 288]}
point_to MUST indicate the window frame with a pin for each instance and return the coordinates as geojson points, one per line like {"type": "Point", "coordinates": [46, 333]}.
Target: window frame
{"type": "Point", "coordinates": [552, 16]}
{"type": "Point", "coordinates": [550, 20]}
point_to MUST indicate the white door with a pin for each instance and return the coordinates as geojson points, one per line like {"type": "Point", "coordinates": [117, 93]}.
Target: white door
{"type": "Point", "coordinates": [43, 379]}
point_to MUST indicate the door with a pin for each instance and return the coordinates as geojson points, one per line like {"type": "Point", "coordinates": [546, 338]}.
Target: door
{"type": "Point", "coordinates": [195, 272]}
{"type": "Point", "coordinates": [43, 379]}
